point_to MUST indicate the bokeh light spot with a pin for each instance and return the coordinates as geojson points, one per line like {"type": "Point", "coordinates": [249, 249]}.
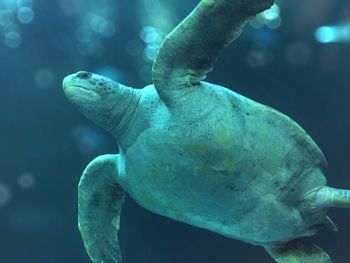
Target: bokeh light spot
{"type": "Point", "coordinates": [150, 35]}
{"type": "Point", "coordinates": [21, 3]}
{"type": "Point", "coordinates": [5, 194]}
{"type": "Point", "coordinates": [13, 39]}
{"type": "Point", "coordinates": [326, 34]}
{"type": "Point", "coordinates": [298, 54]}
{"type": "Point", "coordinates": [259, 56]}
{"type": "Point", "coordinates": [26, 181]}
{"type": "Point", "coordinates": [150, 52]}
{"type": "Point", "coordinates": [44, 77]}
{"type": "Point", "coordinates": [25, 15]}
{"type": "Point", "coordinates": [6, 17]}
{"type": "Point", "coordinates": [270, 18]}
{"type": "Point", "coordinates": [107, 29]}
{"type": "Point", "coordinates": [274, 24]}
{"type": "Point", "coordinates": [95, 22]}
{"type": "Point", "coordinates": [88, 138]}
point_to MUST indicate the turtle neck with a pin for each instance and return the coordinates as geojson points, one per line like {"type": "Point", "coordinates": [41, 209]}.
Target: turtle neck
{"type": "Point", "coordinates": [122, 113]}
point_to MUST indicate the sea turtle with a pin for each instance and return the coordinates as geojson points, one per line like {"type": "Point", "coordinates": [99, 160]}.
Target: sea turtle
{"type": "Point", "coordinates": [200, 153]}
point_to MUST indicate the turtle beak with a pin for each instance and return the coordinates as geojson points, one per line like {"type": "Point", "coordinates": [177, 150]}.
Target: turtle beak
{"type": "Point", "coordinates": [77, 86]}
{"type": "Point", "coordinates": [78, 80]}
{"type": "Point", "coordinates": [69, 81]}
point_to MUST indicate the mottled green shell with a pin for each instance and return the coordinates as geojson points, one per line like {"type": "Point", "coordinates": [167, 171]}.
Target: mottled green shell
{"type": "Point", "coordinates": [225, 163]}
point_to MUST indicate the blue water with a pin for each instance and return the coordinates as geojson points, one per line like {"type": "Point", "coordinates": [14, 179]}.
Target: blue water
{"type": "Point", "coordinates": [283, 59]}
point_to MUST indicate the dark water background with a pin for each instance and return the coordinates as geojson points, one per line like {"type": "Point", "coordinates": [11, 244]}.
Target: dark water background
{"type": "Point", "coordinates": [45, 143]}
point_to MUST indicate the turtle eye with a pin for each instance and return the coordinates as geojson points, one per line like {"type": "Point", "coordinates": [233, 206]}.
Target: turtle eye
{"type": "Point", "coordinates": [84, 75]}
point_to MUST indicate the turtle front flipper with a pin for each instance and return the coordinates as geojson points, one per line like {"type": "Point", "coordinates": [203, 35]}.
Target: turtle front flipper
{"type": "Point", "coordinates": [100, 200]}
{"type": "Point", "coordinates": [188, 53]}
{"type": "Point", "coordinates": [298, 251]}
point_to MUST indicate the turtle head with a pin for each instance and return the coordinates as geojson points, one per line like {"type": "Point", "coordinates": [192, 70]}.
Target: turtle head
{"type": "Point", "coordinates": [99, 98]}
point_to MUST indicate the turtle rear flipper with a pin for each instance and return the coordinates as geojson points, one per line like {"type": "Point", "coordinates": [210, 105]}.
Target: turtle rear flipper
{"type": "Point", "coordinates": [189, 52]}
{"type": "Point", "coordinates": [326, 197]}
{"type": "Point", "coordinates": [298, 251]}
{"type": "Point", "coordinates": [100, 200]}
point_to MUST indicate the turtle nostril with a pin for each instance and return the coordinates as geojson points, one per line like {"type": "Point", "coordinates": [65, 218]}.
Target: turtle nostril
{"type": "Point", "coordinates": [84, 75]}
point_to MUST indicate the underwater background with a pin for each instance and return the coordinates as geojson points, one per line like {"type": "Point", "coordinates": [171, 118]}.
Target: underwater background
{"type": "Point", "coordinates": [294, 57]}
